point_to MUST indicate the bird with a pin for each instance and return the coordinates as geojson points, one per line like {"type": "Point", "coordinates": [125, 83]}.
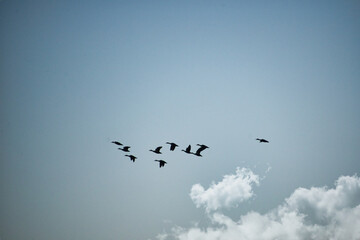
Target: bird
{"type": "Point", "coordinates": [157, 150]}
{"type": "Point", "coordinates": [132, 157]}
{"type": "Point", "coordinates": [187, 150]}
{"type": "Point", "coordinates": [117, 143]}
{"type": "Point", "coordinates": [125, 149]}
{"type": "Point", "coordinates": [261, 140]}
{"type": "Point", "coordinates": [172, 145]}
{"type": "Point", "coordinates": [201, 148]}
{"type": "Point", "coordinates": [161, 163]}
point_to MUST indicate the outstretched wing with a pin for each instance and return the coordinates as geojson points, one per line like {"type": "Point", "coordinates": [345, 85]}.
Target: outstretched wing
{"type": "Point", "coordinates": [199, 151]}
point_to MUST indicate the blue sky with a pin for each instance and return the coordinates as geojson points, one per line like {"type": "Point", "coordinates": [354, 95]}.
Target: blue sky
{"type": "Point", "coordinates": [76, 76]}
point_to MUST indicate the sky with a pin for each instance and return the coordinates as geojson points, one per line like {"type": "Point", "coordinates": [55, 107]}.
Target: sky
{"type": "Point", "coordinates": [75, 76]}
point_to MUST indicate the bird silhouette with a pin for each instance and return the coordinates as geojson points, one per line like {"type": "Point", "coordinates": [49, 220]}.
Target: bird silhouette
{"type": "Point", "coordinates": [157, 150]}
{"type": "Point", "coordinates": [132, 157]}
{"type": "Point", "coordinates": [117, 143]}
{"type": "Point", "coordinates": [187, 150]}
{"type": "Point", "coordinates": [125, 149]}
{"type": "Point", "coordinates": [161, 163]}
{"type": "Point", "coordinates": [261, 140]}
{"type": "Point", "coordinates": [200, 149]}
{"type": "Point", "coordinates": [172, 145]}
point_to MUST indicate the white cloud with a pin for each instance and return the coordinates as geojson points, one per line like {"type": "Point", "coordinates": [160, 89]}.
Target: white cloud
{"type": "Point", "coordinates": [316, 213]}
{"type": "Point", "coordinates": [232, 190]}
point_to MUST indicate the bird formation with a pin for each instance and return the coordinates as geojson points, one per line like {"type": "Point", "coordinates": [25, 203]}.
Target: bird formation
{"type": "Point", "coordinates": [157, 150]}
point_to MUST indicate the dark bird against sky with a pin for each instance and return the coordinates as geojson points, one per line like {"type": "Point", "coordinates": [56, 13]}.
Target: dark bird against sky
{"type": "Point", "coordinates": [157, 150]}
{"type": "Point", "coordinates": [161, 163]}
{"type": "Point", "coordinates": [261, 140]}
{"type": "Point", "coordinates": [172, 145]}
{"type": "Point", "coordinates": [125, 149]}
{"type": "Point", "coordinates": [187, 150]}
{"type": "Point", "coordinates": [201, 148]}
{"type": "Point", "coordinates": [132, 157]}
{"type": "Point", "coordinates": [117, 143]}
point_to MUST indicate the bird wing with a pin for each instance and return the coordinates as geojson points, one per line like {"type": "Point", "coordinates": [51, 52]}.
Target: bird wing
{"type": "Point", "coordinates": [173, 146]}
{"type": "Point", "coordinates": [158, 149]}
{"type": "Point", "coordinates": [202, 146]}
{"type": "Point", "coordinates": [199, 151]}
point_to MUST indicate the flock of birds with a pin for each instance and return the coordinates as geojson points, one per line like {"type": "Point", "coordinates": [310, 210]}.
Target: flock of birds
{"type": "Point", "coordinates": [157, 150]}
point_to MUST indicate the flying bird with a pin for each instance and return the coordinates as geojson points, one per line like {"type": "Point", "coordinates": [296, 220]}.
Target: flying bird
{"type": "Point", "coordinates": [157, 150]}
{"type": "Point", "coordinates": [117, 143]}
{"type": "Point", "coordinates": [261, 140]}
{"type": "Point", "coordinates": [201, 148]}
{"type": "Point", "coordinates": [161, 163]}
{"type": "Point", "coordinates": [187, 150]}
{"type": "Point", "coordinates": [125, 149]}
{"type": "Point", "coordinates": [132, 157]}
{"type": "Point", "coordinates": [172, 145]}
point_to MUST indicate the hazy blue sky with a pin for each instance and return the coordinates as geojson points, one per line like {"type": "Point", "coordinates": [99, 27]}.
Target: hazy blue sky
{"type": "Point", "coordinates": [76, 76]}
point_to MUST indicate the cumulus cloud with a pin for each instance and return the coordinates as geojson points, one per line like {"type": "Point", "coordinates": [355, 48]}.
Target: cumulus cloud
{"type": "Point", "coordinates": [316, 213]}
{"type": "Point", "coordinates": [233, 189]}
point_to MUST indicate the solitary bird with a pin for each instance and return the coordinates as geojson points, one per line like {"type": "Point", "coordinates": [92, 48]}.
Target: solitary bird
{"type": "Point", "coordinates": [157, 150]}
{"type": "Point", "coordinates": [125, 149]}
{"type": "Point", "coordinates": [132, 157]}
{"type": "Point", "coordinates": [117, 143]}
{"type": "Point", "coordinates": [261, 140]}
{"type": "Point", "coordinates": [172, 145]}
{"type": "Point", "coordinates": [161, 163]}
{"type": "Point", "coordinates": [187, 150]}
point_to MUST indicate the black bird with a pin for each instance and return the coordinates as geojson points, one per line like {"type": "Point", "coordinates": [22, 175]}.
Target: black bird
{"type": "Point", "coordinates": [117, 143]}
{"type": "Point", "coordinates": [125, 149]}
{"type": "Point", "coordinates": [201, 148]}
{"type": "Point", "coordinates": [188, 150]}
{"type": "Point", "coordinates": [172, 145]}
{"type": "Point", "coordinates": [261, 140]}
{"type": "Point", "coordinates": [161, 163]}
{"type": "Point", "coordinates": [157, 150]}
{"type": "Point", "coordinates": [132, 157]}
